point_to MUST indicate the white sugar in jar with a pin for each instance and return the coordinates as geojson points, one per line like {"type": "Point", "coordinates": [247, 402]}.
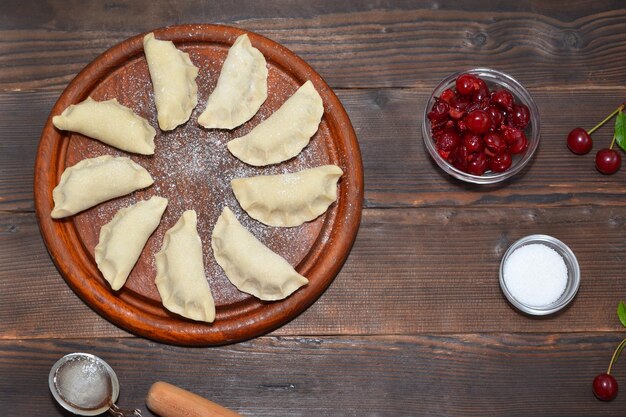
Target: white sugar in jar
{"type": "Point", "coordinates": [535, 275]}
{"type": "Point", "coordinates": [539, 275]}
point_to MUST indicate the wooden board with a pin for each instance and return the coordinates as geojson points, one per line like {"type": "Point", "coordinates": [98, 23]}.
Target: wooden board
{"type": "Point", "coordinates": [193, 169]}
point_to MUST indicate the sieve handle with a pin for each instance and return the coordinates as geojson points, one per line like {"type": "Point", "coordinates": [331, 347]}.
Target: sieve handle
{"type": "Point", "coordinates": [115, 411]}
{"type": "Point", "coordinates": [167, 400]}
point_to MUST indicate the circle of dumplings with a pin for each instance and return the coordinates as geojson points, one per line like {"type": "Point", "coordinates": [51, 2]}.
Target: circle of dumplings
{"type": "Point", "coordinates": [168, 129]}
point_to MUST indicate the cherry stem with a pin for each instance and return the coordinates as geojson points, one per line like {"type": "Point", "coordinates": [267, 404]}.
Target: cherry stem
{"type": "Point", "coordinates": [616, 354]}
{"type": "Point", "coordinates": [613, 142]}
{"type": "Point", "coordinates": [617, 110]}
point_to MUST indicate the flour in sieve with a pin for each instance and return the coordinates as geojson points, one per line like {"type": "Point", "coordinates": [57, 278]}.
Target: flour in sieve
{"type": "Point", "coordinates": [84, 383]}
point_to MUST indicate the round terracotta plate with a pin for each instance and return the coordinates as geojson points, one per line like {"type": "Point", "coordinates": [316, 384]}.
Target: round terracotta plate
{"type": "Point", "coordinates": [193, 168]}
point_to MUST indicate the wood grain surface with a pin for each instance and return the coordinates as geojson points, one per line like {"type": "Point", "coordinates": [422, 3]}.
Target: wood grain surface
{"type": "Point", "coordinates": [351, 44]}
{"type": "Point", "coordinates": [403, 376]}
{"type": "Point", "coordinates": [410, 271]}
{"type": "Point", "coordinates": [415, 323]}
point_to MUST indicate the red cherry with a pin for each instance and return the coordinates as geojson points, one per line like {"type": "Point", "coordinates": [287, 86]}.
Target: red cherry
{"type": "Point", "coordinates": [447, 140]}
{"type": "Point", "coordinates": [520, 144]}
{"type": "Point", "coordinates": [478, 121]}
{"type": "Point", "coordinates": [579, 141]}
{"type": "Point", "coordinates": [494, 143]}
{"type": "Point", "coordinates": [458, 158]}
{"type": "Point", "coordinates": [473, 142]}
{"type": "Point", "coordinates": [608, 161]}
{"type": "Point", "coordinates": [605, 387]}
{"type": "Point", "coordinates": [447, 95]}
{"type": "Point", "coordinates": [511, 134]}
{"type": "Point", "coordinates": [439, 111]}
{"type": "Point", "coordinates": [519, 117]}
{"type": "Point", "coordinates": [482, 91]}
{"type": "Point", "coordinates": [466, 84]}
{"type": "Point", "coordinates": [500, 163]}
{"type": "Point", "coordinates": [504, 99]}
{"type": "Point", "coordinates": [477, 164]}
{"type": "Point", "coordinates": [460, 102]}
{"type": "Point", "coordinates": [497, 117]}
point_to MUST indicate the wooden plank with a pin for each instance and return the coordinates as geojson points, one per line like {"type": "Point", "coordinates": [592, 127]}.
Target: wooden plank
{"type": "Point", "coordinates": [431, 270]}
{"type": "Point", "coordinates": [398, 170]}
{"type": "Point", "coordinates": [403, 44]}
{"type": "Point", "coordinates": [34, 296]}
{"type": "Point", "coordinates": [18, 14]}
{"type": "Point", "coordinates": [22, 119]}
{"type": "Point", "coordinates": [400, 376]}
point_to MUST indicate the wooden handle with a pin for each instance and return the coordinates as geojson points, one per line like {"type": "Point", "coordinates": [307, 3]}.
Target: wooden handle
{"type": "Point", "coordinates": [167, 400]}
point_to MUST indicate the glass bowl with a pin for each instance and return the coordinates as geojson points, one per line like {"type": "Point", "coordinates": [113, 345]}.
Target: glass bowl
{"type": "Point", "coordinates": [573, 275]}
{"type": "Point", "coordinates": [494, 79]}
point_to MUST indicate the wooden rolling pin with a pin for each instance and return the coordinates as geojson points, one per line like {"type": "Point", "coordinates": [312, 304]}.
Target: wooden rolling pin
{"type": "Point", "coordinates": [167, 400]}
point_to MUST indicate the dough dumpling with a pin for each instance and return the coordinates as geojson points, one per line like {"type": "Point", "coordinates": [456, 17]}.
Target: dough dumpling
{"type": "Point", "coordinates": [180, 278]}
{"type": "Point", "coordinates": [287, 200]}
{"type": "Point", "coordinates": [285, 133]}
{"type": "Point", "coordinates": [174, 81]}
{"type": "Point", "coordinates": [110, 123]}
{"type": "Point", "coordinates": [241, 88]}
{"type": "Point", "coordinates": [250, 265]}
{"type": "Point", "coordinates": [94, 180]}
{"type": "Point", "coordinates": [123, 238]}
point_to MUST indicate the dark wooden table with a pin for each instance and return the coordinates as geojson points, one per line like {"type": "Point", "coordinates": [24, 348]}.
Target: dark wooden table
{"type": "Point", "coordinates": [415, 324]}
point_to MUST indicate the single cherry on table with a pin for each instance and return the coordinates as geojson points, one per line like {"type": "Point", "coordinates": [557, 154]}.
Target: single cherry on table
{"type": "Point", "coordinates": [605, 387]}
{"type": "Point", "coordinates": [579, 141]}
{"type": "Point", "coordinates": [608, 161]}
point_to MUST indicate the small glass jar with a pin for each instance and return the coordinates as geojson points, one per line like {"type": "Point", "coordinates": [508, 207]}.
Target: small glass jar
{"type": "Point", "coordinates": [493, 79]}
{"type": "Point", "coordinates": [573, 275]}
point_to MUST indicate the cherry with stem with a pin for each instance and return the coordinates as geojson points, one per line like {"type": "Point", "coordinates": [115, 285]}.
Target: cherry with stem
{"type": "Point", "coordinates": [608, 160]}
{"type": "Point", "coordinates": [605, 385]}
{"type": "Point", "coordinates": [579, 140]}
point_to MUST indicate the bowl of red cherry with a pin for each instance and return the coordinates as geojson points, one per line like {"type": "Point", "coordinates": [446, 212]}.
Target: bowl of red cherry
{"type": "Point", "coordinates": [481, 126]}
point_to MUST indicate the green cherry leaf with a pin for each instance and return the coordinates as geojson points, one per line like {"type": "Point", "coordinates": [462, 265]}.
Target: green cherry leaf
{"type": "Point", "coordinates": [621, 313]}
{"type": "Point", "coordinates": [620, 133]}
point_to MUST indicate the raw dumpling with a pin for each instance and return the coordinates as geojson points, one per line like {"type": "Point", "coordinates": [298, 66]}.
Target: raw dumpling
{"type": "Point", "coordinates": [241, 88]}
{"type": "Point", "coordinates": [285, 133]}
{"type": "Point", "coordinates": [174, 81]}
{"type": "Point", "coordinates": [250, 265]}
{"type": "Point", "coordinates": [109, 122]}
{"type": "Point", "coordinates": [288, 199]}
{"type": "Point", "coordinates": [94, 180]}
{"type": "Point", "coordinates": [123, 238]}
{"type": "Point", "coordinates": [180, 278]}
